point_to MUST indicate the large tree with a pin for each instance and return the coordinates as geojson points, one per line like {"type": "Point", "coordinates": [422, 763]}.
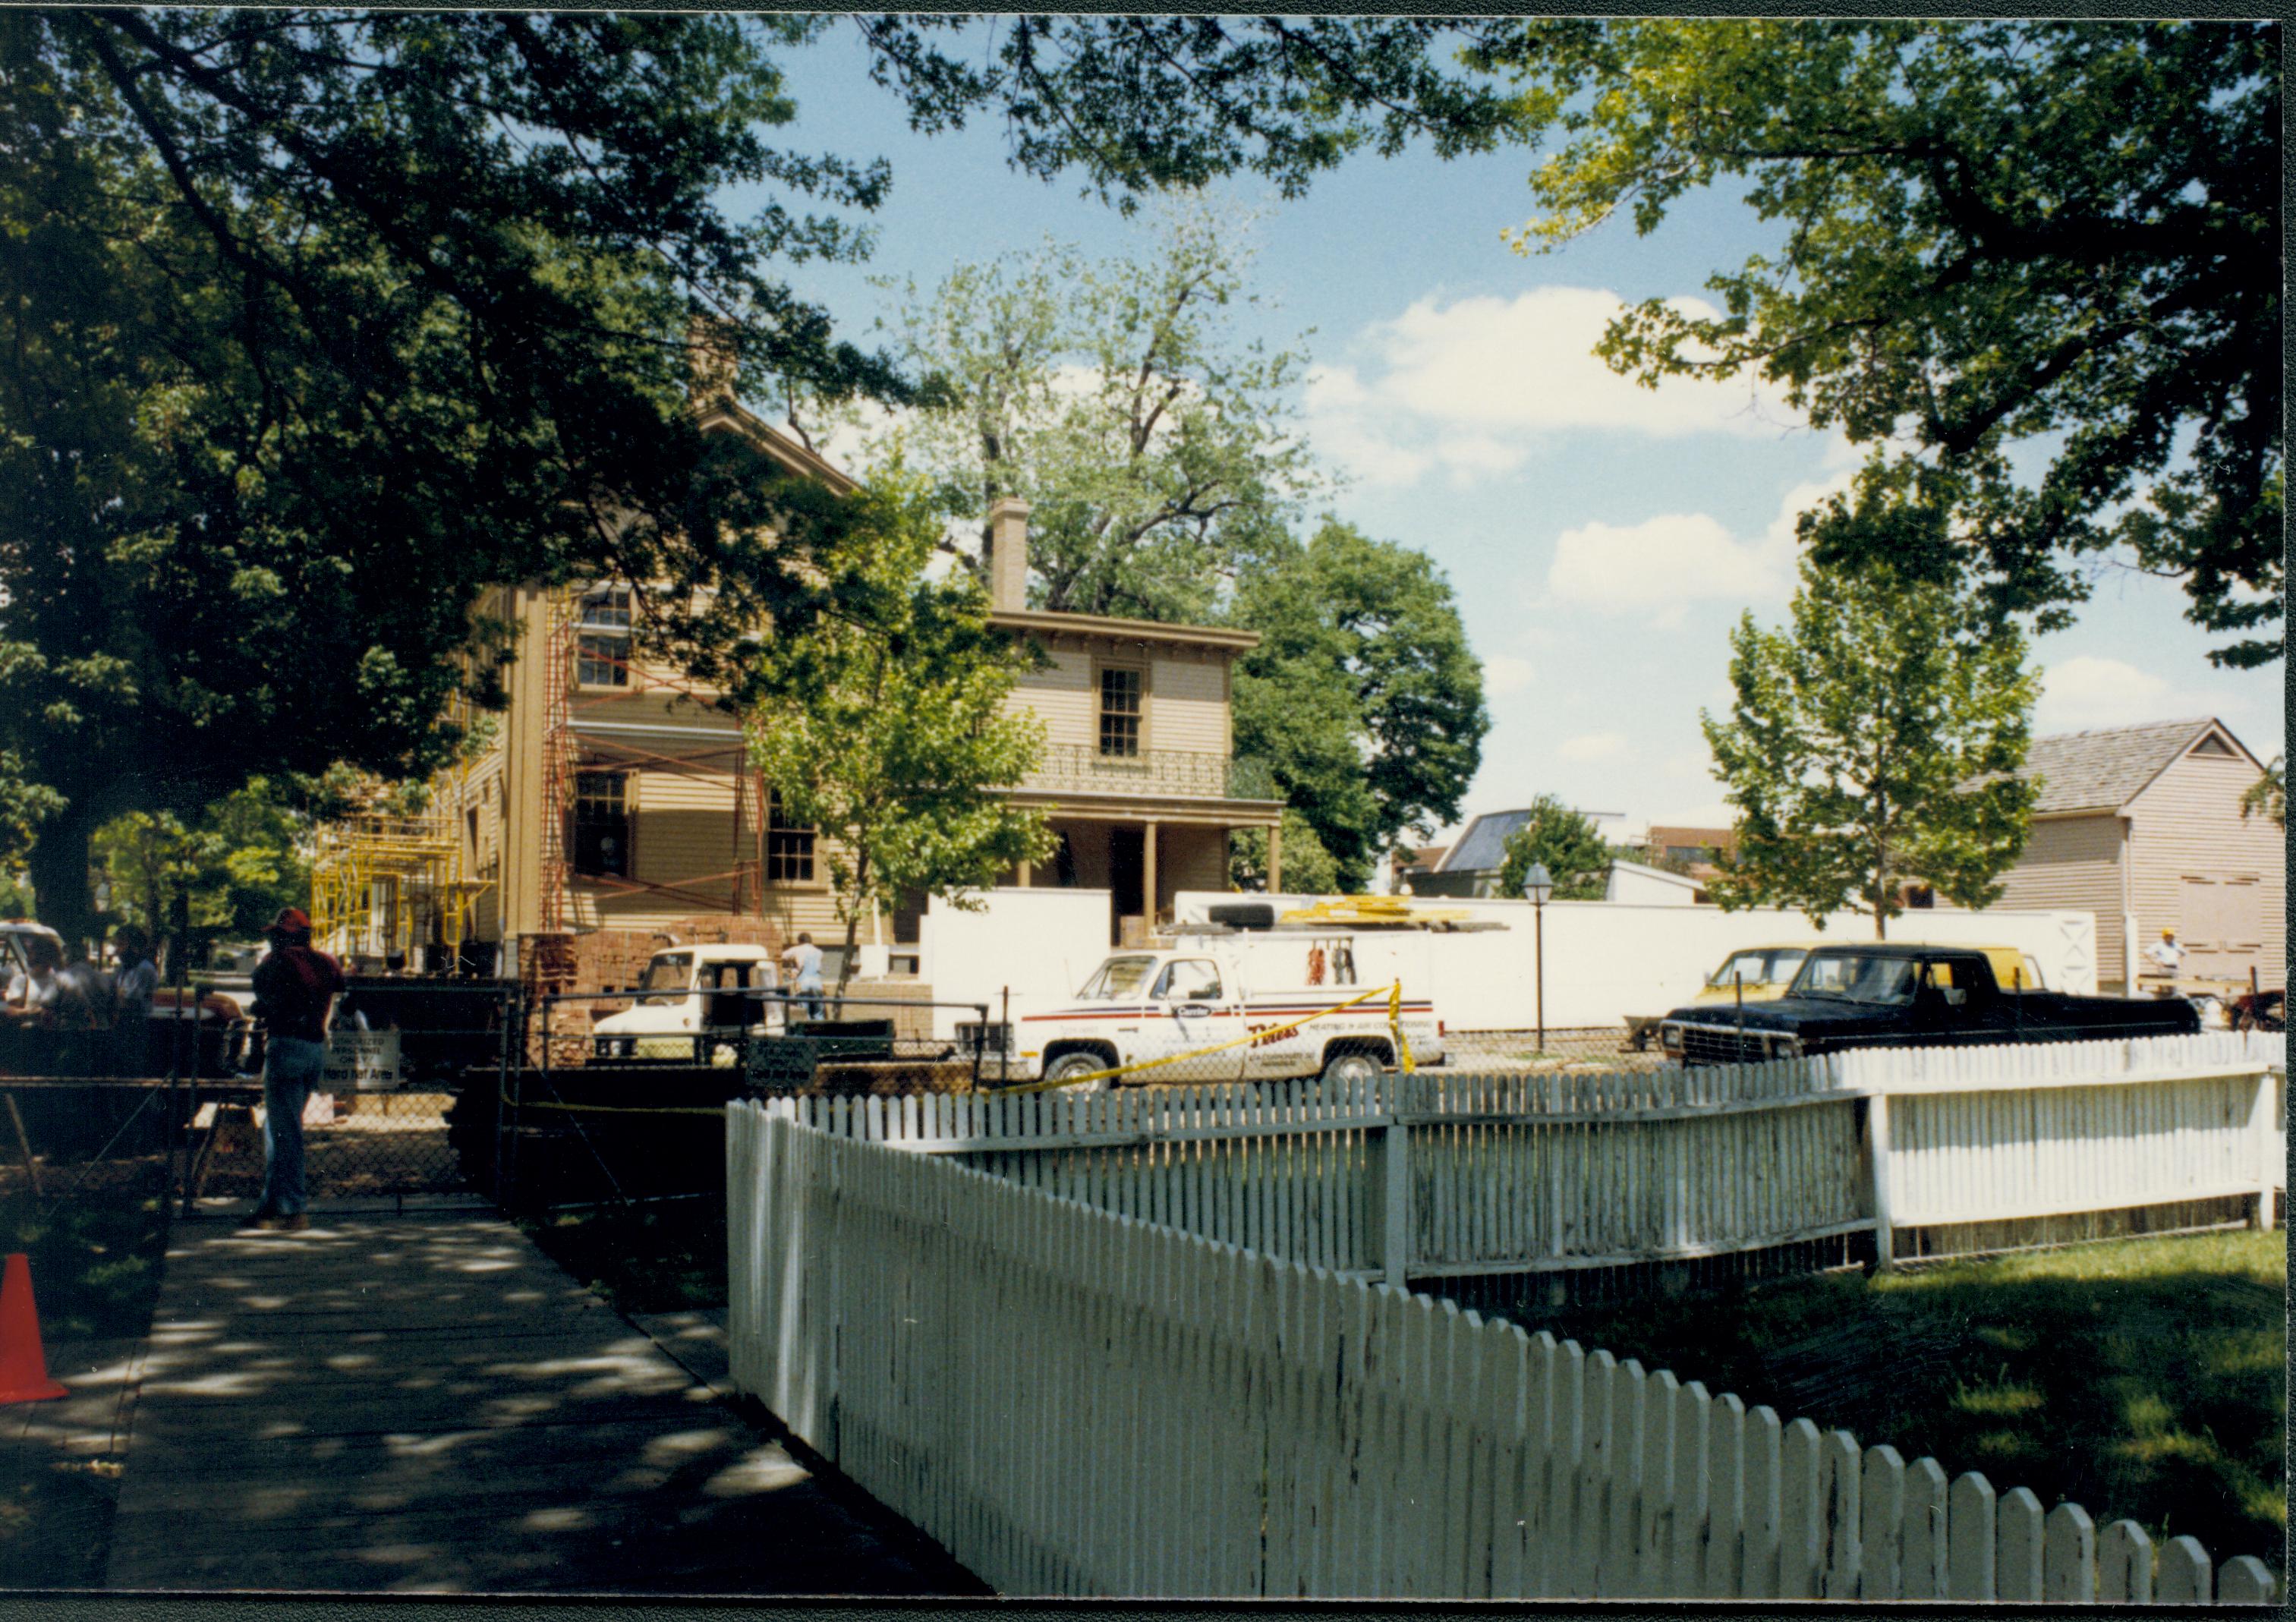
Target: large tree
{"type": "Point", "coordinates": [2034, 264]}
{"type": "Point", "coordinates": [1873, 742]}
{"type": "Point", "coordinates": [2008, 243]}
{"type": "Point", "coordinates": [888, 733]}
{"type": "Point", "coordinates": [1157, 448]}
{"type": "Point", "coordinates": [317, 322]}
{"type": "Point", "coordinates": [1363, 696]}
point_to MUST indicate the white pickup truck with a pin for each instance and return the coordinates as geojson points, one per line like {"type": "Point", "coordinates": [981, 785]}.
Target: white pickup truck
{"type": "Point", "coordinates": [688, 990]}
{"type": "Point", "coordinates": [1146, 1006]}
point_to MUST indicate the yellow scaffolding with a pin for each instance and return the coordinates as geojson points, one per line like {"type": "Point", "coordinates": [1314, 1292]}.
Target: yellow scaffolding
{"type": "Point", "coordinates": [379, 882]}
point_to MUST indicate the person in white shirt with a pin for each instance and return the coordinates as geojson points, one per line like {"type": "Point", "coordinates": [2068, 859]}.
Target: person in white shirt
{"type": "Point", "coordinates": [2167, 955]}
{"type": "Point", "coordinates": [804, 961]}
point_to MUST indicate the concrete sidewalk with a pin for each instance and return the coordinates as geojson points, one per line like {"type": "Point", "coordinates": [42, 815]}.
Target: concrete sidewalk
{"type": "Point", "coordinates": [426, 1401]}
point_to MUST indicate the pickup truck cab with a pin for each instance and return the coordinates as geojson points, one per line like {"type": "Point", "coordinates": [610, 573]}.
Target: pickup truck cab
{"type": "Point", "coordinates": [1150, 1004]}
{"type": "Point", "coordinates": [1892, 996]}
{"type": "Point", "coordinates": [686, 992]}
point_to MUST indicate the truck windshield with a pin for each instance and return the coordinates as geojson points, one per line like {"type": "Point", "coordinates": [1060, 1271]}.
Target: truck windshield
{"type": "Point", "coordinates": [1771, 966]}
{"type": "Point", "coordinates": [1857, 977]}
{"type": "Point", "coordinates": [669, 973]}
{"type": "Point", "coordinates": [1118, 977]}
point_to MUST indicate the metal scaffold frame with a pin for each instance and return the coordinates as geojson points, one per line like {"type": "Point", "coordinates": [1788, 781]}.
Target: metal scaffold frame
{"type": "Point", "coordinates": [579, 735]}
{"type": "Point", "coordinates": [379, 881]}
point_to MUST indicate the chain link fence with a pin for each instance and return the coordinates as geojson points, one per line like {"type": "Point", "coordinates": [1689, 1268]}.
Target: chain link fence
{"type": "Point", "coordinates": [178, 1104]}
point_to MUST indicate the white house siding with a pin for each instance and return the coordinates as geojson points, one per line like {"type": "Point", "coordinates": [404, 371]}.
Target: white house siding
{"type": "Point", "coordinates": [2190, 838]}
{"type": "Point", "coordinates": [1187, 705]}
{"type": "Point", "coordinates": [2073, 863]}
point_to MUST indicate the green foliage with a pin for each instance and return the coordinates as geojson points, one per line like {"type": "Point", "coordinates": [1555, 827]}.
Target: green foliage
{"type": "Point", "coordinates": [1156, 450]}
{"type": "Point", "coordinates": [887, 731]}
{"type": "Point", "coordinates": [1873, 742]}
{"type": "Point", "coordinates": [1362, 695]}
{"type": "Point", "coordinates": [2058, 237]}
{"type": "Point", "coordinates": [318, 323]}
{"type": "Point", "coordinates": [2268, 795]}
{"type": "Point", "coordinates": [1309, 869]}
{"type": "Point", "coordinates": [237, 862]}
{"type": "Point", "coordinates": [1147, 103]}
{"type": "Point", "coordinates": [1577, 858]}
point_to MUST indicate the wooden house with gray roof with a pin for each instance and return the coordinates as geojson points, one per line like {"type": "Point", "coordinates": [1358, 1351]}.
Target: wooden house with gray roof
{"type": "Point", "coordinates": [2141, 826]}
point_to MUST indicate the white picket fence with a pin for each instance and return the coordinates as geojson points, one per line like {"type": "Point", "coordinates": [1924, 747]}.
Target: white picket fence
{"type": "Point", "coordinates": [1075, 1402]}
{"type": "Point", "coordinates": [1436, 1175]}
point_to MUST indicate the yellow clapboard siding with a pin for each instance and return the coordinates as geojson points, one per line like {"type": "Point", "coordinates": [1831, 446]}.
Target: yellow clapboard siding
{"type": "Point", "coordinates": [1187, 705]}
{"type": "Point", "coordinates": [2074, 863]}
{"type": "Point", "coordinates": [2187, 825]}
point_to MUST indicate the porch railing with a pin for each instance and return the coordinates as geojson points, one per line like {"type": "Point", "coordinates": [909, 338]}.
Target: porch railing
{"type": "Point", "coordinates": [1080, 768]}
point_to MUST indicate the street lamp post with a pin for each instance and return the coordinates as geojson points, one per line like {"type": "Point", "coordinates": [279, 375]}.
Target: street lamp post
{"type": "Point", "coordinates": [1538, 885]}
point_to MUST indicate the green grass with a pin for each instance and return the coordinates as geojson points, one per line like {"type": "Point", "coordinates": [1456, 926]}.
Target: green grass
{"type": "Point", "coordinates": [2146, 1378]}
{"type": "Point", "coordinates": [668, 1256]}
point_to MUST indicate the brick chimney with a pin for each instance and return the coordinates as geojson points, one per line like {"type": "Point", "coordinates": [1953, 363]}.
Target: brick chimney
{"type": "Point", "coordinates": [1008, 554]}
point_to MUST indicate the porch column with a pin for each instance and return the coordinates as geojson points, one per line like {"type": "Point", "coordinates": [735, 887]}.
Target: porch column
{"type": "Point", "coordinates": [1275, 860]}
{"type": "Point", "coordinates": [1148, 878]}
{"type": "Point", "coordinates": [1022, 878]}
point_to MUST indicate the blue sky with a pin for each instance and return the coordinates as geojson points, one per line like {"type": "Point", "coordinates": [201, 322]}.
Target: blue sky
{"type": "Point", "coordinates": [1602, 539]}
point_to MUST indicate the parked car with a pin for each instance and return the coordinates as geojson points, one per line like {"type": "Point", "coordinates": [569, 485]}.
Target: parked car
{"type": "Point", "coordinates": [1146, 1006]}
{"type": "Point", "coordinates": [1762, 974]}
{"type": "Point", "coordinates": [1906, 996]}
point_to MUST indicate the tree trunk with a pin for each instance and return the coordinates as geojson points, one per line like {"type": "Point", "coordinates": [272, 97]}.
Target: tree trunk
{"type": "Point", "coordinates": [853, 921]}
{"type": "Point", "coordinates": [58, 866]}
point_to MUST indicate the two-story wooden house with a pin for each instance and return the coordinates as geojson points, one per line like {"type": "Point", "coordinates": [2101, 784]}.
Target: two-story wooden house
{"type": "Point", "coordinates": [2143, 826]}
{"type": "Point", "coordinates": [614, 795]}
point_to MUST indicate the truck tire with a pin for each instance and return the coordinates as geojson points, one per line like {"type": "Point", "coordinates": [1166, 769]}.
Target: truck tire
{"type": "Point", "coordinates": [1079, 1062]}
{"type": "Point", "coordinates": [1352, 1064]}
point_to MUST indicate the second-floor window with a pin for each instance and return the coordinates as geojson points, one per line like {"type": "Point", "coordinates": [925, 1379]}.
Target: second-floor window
{"type": "Point", "coordinates": [789, 850]}
{"type": "Point", "coordinates": [604, 652]}
{"type": "Point", "coordinates": [601, 825]}
{"type": "Point", "coordinates": [1119, 711]}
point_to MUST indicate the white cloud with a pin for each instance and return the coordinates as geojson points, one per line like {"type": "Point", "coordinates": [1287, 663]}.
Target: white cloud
{"type": "Point", "coordinates": [1655, 567]}
{"type": "Point", "coordinates": [1592, 746]}
{"type": "Point", "coordinates": [1504, 673]}
{"type": "Point", "coordinates": [2086, 692]}
{"type": "Point", "coordinates": [1467, 385]}
{"type": "Point", "coordinates": [1673, 557]}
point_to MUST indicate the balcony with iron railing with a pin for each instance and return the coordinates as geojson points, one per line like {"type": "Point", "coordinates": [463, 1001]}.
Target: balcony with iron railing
{"type": "Point", "coordinates": [1080, 768]}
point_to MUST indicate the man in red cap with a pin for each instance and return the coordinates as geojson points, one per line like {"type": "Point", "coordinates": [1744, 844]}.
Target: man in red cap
{"type": "Point", "coordinates": [295, 992]}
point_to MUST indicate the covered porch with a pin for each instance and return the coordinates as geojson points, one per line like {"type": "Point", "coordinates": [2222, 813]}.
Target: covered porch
{"type": "Point", "coordinates": [1145, 855]}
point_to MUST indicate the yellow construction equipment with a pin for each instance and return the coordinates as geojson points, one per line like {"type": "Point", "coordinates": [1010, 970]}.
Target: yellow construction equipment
{"type": "Point", "coordinates": [1377, 912]}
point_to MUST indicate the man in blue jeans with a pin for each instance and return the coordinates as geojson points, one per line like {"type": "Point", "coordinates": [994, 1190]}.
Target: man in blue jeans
{"type": "Point", "coordinates": [295, 991]}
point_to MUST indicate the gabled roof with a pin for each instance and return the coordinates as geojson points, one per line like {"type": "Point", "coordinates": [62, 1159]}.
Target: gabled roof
{"type": "Point", "coordinates": [2103, 770]}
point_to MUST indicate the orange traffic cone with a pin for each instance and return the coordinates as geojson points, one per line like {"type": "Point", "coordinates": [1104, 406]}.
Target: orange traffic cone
{"type": "Point", "coordinates": [23, 1365]}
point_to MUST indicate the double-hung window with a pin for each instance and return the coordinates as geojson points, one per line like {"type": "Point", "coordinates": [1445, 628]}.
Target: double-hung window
{"type": "Point", "coordinates": [601, 825]}
{"type": "Point", "coordinates": [603, 653]}
{"type": "Point", "coordinates": [1119, 712]}
{"type": "Point", "coordinates": [789, 849]}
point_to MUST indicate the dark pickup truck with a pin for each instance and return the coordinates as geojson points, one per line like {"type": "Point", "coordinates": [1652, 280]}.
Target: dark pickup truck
{"type": "Point", "coordinates": [1884, 995]}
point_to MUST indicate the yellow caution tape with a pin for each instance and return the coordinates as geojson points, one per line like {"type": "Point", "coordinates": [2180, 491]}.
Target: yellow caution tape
{"type": "Point", "coordinates": [1394, 1003]}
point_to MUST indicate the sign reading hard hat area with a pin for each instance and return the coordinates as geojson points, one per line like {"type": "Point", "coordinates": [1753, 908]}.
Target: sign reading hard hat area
{"type": "Point", "coordinates": [361, 1061]}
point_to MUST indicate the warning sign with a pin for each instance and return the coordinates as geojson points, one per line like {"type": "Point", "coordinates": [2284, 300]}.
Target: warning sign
{"type": "Point", "coordinates": [361, 1061]}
